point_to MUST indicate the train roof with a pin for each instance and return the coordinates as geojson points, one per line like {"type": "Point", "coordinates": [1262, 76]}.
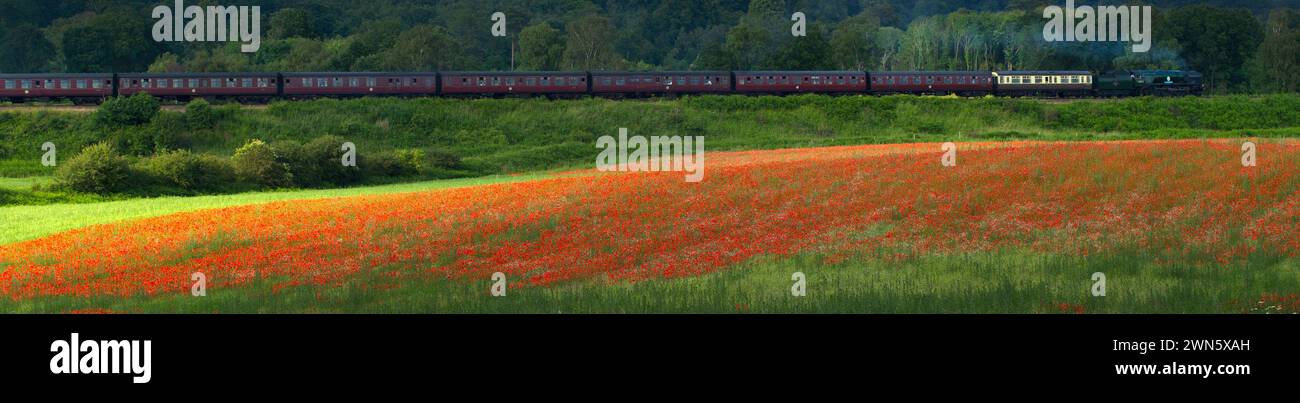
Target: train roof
{"type": "Point", "coordinates": [661, 73]}
{"type": "Point", "coordinates": [1043, 72]}
{"type": "Point", "coordinates": [358, 73]}
{"type": "Point", "coordinates": [55, 75]}
{"type": "Point", "coordinates": [789, 72]}
{"type": "Point", "coordinates": [514, 73]}
{"type": "Point", "coordinates": [196, 75]}
{"type": "Point", "coordinates": [917, 72]}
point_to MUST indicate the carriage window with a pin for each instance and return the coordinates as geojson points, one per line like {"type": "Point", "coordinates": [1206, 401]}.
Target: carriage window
{"type": "Point", "coordinates": [511, 81]}
{"type": "Point", "coordinates": [320, 82]}
{"type": "Point", "coordinates": [496, 81]}
{"type": "Point", "coordinates": [370, 81]}
{"type": "Point", "coordinates": [573, 81]}
{"type": "Point", "coordinates": [621, 81]}
{"type": "Point", "coordinates": [261, 82]}
{"type": "Point", "coordinates": [145, 83]}
{"type": "Point", "coordinates": [533, 81]}
{"type": "Point", "coordinates": [194, 83]}
{"type": "Point", "coordinates": [9, 84]}
{"type": "Point", "coordinates": [27, 84]}
{"type": "Point", "coordinates": [695, 80]}
{"type": "Point", "coordinates": [214, 83]}
{"type": "Point", "coordinates": [178, 83]}
{"type": "Point", "coordinates": [248, 83]}
{"type": "Point", "coordinates": [162, 83]}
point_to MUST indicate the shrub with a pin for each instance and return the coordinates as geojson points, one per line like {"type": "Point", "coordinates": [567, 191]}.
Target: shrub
{"type": "Point", "coordinates": [135, 110]}
{"type": "Point", "coordinates": [170, 132]}
{"type": "Point", "coordinates": [199, 114]}
{"type": "Point", "coordinates": [192, 172]}
{"type": "Point", "coordinates": [441, 159]}
{"type": "Point", "coordinates": [324, 157]}
{"type": "Point", "coordinates": [412, 158]}
{"type": "Point", "coordinates": [388, 164]}
{"type": "Point", "coordinates": [257, 163]}
{"type": "Point", "coordinates": [96, 169]}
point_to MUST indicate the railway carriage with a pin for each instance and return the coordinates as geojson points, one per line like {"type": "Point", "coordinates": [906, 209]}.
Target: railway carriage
{"type": "Point", "coordinates": [183, 86]}
{"type": "Point", "coordinates": [77, 87]}
{"type": "Point", "coordinates": [551, 83]}
{"type": "Point", "coordinates": [1044, 83]}
{"type": "Point", "coordinates": [660, 83]}
{"type": "Point", "coordinates": [798, 82]}
{"type": "Point", "coordinates": [257, 87]}
{"type": "Point", "coordinates": [932, 82]}
{"type": "Point", "coordinates": [312, 85]}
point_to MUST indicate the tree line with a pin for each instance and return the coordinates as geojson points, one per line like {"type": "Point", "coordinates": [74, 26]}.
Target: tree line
{"type": "Point", "coordinates": [1239, 49]}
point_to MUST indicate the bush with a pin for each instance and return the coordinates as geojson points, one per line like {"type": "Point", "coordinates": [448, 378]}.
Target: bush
{"type": "Point", "coordinates": [441, 159]}
{"type": "Point", "coordinates": [170, 132]}
{"type": "Point", "coordinates": [413, 158]}
{"type": "Point", "coordinates": [257, 163]}
{"type": "Point", "coordinates": [199, 114]}
{"type": "Point", "coordinates": [388, 164]}
{"type": "Point", "coordinates": [323, 157]}
{"type": "Point", "coordinates": [135, 110]}
{"type": "Point", "coordinates": [96, 169]}
{"type": "Point", "coordinates": [192, 172]}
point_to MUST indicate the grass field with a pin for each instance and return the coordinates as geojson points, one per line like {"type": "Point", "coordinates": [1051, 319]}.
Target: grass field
{"type": "Point", "coordinates": [30, 221]}
{"type": "Point", "coordinates": [1174, 226]}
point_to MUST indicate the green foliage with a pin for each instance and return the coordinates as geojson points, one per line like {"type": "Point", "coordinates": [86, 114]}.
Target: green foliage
{"type": "Point", "coordinates": [199, 173]}
{"type": "Point", "coordinates": [96, 169]}
{"type": "Point", "coordinates": [134, 110]}
{"type": "Point", "coordinates": [387, 164]}
{"type": "Point", "coordinates": [256, 162]}
{"type": "Point", "coordinates": [323, 158]}
{"type": "Point", "coordinates": [199, 114]}
{"type": "Point", "coordinates": [541, 47]}
{"type": "Point", "coordinates": [24, 49]}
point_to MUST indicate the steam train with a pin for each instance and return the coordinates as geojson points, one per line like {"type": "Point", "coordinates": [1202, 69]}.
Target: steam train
{"type": "Point", "coordinates": [261, 87]}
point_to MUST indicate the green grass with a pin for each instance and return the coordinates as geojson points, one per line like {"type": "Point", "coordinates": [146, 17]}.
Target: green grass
{"type": "Point", "coordinates": [993, 282]}
{"type": "Point", "coordinates": [516, 135]}
{"type": "Point", "coordinates": [31, 221]}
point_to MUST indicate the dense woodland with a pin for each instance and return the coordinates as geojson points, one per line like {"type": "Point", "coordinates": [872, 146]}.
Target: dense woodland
{"type": "Point", "coordinates": [1251, 46]}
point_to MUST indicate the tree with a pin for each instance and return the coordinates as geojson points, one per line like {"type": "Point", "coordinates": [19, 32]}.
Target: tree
{"type": "Point", "coordinates": [422, 48]}
{"type": "Point", "coordinates": [24, 50]}
{"type": "Point", "coordinates": [590, 44]}
{"type": "Point", "coordinates": [540, 47]}
{"type": "Point", "coordinates": [1276, 66]}
{"type": "Point", "coordinates": [291, 22]}
{"type": "Point", "coordinates": [853, 43]}
{"type": "Point", "coordinates": [810, 52]}
{"type": "Point", "coordinates": [1216, 41]}
{"type": "Point", "coordinates": [116, 41]}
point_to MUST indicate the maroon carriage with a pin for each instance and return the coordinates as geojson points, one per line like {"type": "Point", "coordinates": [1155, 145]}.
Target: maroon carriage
{"type": "Point", "coordinates": [21, 87]}
{"type": "Point", "coordinates": [660, 82]}
{"type": "Point", "coordinates": [505, 83]}
{"type": "Point", "coordinates": [788, 82]}
{"type": "Point", "coordinates": [932, 82]}
{"type": "Point", "coordinates": [302, 85]}
{"type": "Point", "coordinates": [198, 85]}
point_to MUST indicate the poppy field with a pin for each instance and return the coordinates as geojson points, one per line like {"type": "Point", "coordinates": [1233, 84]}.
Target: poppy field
{"type": "Point", "coordinates": [1173, 226]}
